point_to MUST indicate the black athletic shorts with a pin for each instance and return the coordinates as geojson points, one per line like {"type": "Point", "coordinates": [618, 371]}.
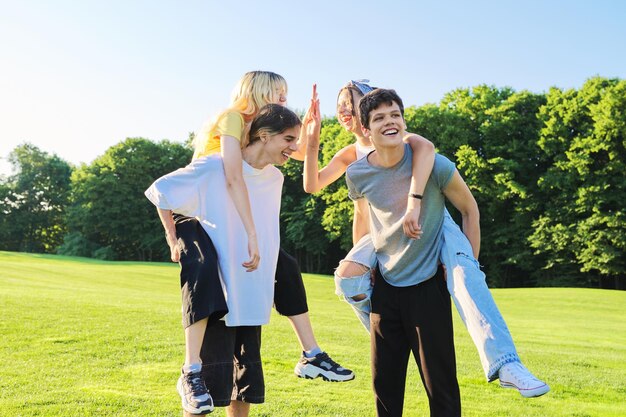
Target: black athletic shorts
{"type": "Point", "coordinates": [202, 294]}
{"type": "Point", "coordinates": [289, 292]}
{"type": "Point", "coordinates": [231, 364]}
{"type": "Point", "coordinates": [201, 290]}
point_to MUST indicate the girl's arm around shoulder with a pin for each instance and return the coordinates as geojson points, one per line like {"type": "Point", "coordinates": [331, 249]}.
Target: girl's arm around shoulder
{"type": "Point", "coordinates": [422, 165]}
{"type": "Point", "coordinates": [236, 186]}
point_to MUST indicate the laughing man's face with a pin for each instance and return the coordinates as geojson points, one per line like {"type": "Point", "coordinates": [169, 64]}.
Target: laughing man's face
{"type": "Point", "coordinates": [387, 125]}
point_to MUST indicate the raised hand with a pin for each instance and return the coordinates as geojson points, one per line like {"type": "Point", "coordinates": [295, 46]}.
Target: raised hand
{"type": "Point", "coordinates": [309, 111]}
{"type": "Point", "coordinates": [307, 119]}
{"type": "Point", "coordinates": [312, 119]}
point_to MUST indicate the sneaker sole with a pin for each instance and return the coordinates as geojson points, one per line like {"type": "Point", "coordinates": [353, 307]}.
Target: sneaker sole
{"type": "Point", "coordinates": [527, 393]}
{"type": "Point", "coordinates": [332, 377]}
{"type": "Point", "coordinates": [188, 414]}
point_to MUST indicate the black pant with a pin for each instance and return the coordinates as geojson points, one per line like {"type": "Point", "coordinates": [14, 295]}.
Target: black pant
{"type": "Point", "coordinates": [418, 319]}
{"type": "Point", "coordinates": [289, 292]}
{"type": "Point", "coordinates": [231, 364]}
{"type": "Point", "coordinates": [202, 294]}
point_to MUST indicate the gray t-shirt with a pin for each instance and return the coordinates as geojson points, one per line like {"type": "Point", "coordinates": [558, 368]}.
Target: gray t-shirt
{"type": "Point", "coordinates": [402, 261]}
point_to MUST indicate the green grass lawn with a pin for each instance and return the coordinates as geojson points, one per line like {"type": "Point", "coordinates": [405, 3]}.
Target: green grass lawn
{"type": "Point", "coordinates": [83, 337]}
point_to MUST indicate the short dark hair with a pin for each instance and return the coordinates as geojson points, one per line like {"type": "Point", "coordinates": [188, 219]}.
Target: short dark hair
{"type": "Point", "coordinates": [373, 100]}
{"type": "Point", "coordinates": [272, 120]}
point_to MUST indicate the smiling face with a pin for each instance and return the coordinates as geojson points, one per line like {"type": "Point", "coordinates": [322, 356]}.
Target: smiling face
{"type": "Point", "coordinates": [272, 137]}
{"type": "Point", "coordinates": [280, 95]}
{"type": "Point", "coordinates": [347, 108]}
{"type": "Point", "coordinates": [279, 147]}
{"type": "Point", "coordinates": [386, 126]}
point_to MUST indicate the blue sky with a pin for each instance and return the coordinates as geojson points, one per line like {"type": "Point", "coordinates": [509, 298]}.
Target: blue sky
{"type": "Point", "coordinates": [79, 76]}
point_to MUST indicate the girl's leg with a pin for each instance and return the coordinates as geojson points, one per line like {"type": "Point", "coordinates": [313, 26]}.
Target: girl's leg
{"type": "Point", "coordinates": [290, 301]}
{"type": "Point", "coordinates": [202, 294]}
{"type": "Point", "coordinates": [348, 269]}
{"type": "Point", "coordinates": [480, 314]}
{"type": "Point", "coordinates": [353, 281]}
{"type": "Point", "coordinates": [353, 285]}
{"type": "Point", "coordinates": [194, 335]}
{"type": "Point", "coordinates": [202, 298]}
{"type": "Point", "coordinates": [301, 324]}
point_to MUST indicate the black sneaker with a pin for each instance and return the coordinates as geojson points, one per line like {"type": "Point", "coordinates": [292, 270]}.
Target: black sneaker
{"type": "Point", "coordinates": [194, 394]}
{"type": "Point", "coordinates": [322, 365]}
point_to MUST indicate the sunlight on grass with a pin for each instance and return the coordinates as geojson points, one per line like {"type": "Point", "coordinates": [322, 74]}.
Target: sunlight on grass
{"type": "Point", "coordinates": [84, 337]}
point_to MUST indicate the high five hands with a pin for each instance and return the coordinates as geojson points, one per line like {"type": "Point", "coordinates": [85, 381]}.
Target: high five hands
{"type": "Point", "coordinates": [312, 120]}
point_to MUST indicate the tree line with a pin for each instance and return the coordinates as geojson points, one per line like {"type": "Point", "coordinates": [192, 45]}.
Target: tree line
{"type": "Point", "coordinates": [548, 171]}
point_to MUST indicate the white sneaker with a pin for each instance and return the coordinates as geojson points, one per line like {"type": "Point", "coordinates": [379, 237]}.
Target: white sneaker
{"type": "Point", "coordinates": [515, 375]}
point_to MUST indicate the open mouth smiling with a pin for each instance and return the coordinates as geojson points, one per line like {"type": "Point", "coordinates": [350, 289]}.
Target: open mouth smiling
{"type": "Point", "coordinates": [390, 132]}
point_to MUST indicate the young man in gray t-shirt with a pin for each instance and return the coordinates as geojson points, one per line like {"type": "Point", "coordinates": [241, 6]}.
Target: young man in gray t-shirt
{"type": "Point", "coordinates": [410, 302]}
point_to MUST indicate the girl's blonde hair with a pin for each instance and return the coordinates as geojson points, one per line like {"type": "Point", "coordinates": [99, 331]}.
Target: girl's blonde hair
{"type": "Point", "coordinates": [253, 91]}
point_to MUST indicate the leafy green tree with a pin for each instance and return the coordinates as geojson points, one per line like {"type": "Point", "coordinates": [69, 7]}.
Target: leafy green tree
{"type": "Point", "coordinates": [33, 201]}
{"type": "Point", "coordinates": [448, 130]}
{"type": "Point", "coordinates": [109, 209]}
{"type": "Point", "coordinates": [582, 227]}
{"type": "Point", "coordinates": [302, 234]}
{"type": "Point", "coordinates": [491, 134]}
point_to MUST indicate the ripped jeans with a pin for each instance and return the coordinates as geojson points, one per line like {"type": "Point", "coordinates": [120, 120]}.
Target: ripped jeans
{"type": "Point", "coordinates": [466, 284]}
{"type": "Point", "coordinates": [349, 288]}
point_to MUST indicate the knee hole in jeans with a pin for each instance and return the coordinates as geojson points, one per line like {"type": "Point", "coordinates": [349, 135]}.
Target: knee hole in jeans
{"type": "Point", "coordinates": [349, 269]}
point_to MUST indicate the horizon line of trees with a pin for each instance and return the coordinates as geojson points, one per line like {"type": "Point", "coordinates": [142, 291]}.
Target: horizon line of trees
{"type": "Point", "coordinates": [548, 171]}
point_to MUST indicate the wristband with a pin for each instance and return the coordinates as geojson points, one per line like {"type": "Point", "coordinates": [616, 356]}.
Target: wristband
{"type": "Point", "coordinates": [418, 196]}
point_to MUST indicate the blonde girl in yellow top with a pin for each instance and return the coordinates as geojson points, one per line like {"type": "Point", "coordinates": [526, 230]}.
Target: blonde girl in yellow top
{"type": "Point", "coordinates": [226, 134]}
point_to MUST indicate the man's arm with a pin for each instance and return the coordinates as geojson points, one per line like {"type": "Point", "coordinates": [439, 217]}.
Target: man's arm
{"type": "Point", "coordinates": [461, 197]}
{"type": "Point", "coordinates": [170, 233]}
{"type": "Point", "coordinates": [361, 221]}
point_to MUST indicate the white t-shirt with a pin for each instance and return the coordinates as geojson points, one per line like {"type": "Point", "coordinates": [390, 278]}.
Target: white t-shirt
{"type": "Point", "coordinates": [199, 190]}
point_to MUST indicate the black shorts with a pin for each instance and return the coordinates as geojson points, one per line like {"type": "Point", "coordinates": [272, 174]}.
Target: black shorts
{"type": "Point", "coordinates": [202, 294]}
{"type": "Point", "coordinates": [289, 292]}
{"type": "Point", "coordinates": [201, 290]}
{"type": "Point", "coordinates": [231, 364]}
